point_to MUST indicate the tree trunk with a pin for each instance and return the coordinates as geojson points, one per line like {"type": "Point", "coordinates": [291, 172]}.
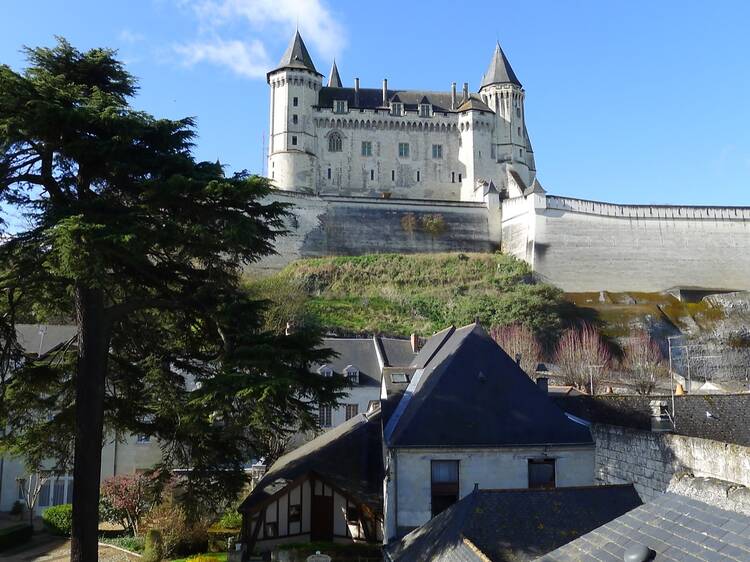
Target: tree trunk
{"type": "Point", "coordinates": [93, 350]}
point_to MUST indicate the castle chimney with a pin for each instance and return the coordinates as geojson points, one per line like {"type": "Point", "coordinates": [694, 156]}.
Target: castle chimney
{"type": "Point", "coordinates": [385, 92]}
{"type": "Point", "coordinates": [356, 92]}
{"type": "Point", "coordinates": [453, 95]}
{"type": "Point", "coordinates": [466, 91]}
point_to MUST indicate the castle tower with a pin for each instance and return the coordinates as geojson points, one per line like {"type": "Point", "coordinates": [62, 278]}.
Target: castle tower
{"type": "Point", "coordinates": [510, 145]}
{"type": "Point", "coordinates": [475, 126]}
{"type": "Point", "coordinates": [295, 84]}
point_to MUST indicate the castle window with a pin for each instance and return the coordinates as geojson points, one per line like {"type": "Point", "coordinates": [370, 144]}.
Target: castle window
{"type": "Point", "coordinates": [424, 109]}
{"type": "Point", "coordinates": [437, 151]}
{"type": "Point", "coordinates": [351, 410]}
{"type": "Point", "coordinates": [397, 108]}
{"type": "Point", "coordinates": [295, 119]}
{"type": "Point", "coordinates": [329, 173]}
{"type": "Point", "coordinates": [295, 102]}
{"type": "Point", "coordinates": [339, 106]}
{"type": "Point", "coordinates": [518, 111]}
{"type": "Point", "coordinates": [393, 175]}
{"type": "Point", "coordinates": [417, 175]}
{"type": "Point", "coordinates": [459, 178]}
{"type": "Point", "coordinates": [326, 371]}
{"type": "Point", "coordinates": [366, 148]}
{"type": "Point", "coordinates": [372, 175]}
{"type": "Point", "coordinates": [403, 150]}
{"type": "Point", "coordinates": [352, 374]}
{"type": "Point", "coordinates": [294, 140]}
{"type": "Point", "coordinates": [334, 142]}
{"type": "Point", "coordinates": [453, 177]}
{"type": "Point", "coordinates": [520, 152]}
{"type": "Point", "coordinates": [493, 151]}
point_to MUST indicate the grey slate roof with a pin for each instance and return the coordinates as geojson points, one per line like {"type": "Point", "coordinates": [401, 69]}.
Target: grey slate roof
{"type": "Point", "coordinates": [361, 353]}
{"type": "Point", "coordinates": [296, 56]}
{"type": "Point", "coordinates": [372, 98]}
{"type": "Point", "coordinates": [471, 393]}
{"type": "Point", "coordinates": [334, 80]}
{"type": "Point", "coordinates": [675, 527]}
{"type": "Point", "coordinates": [513, 525]}
{"type": "Point", "coordinates": [499, 71]}
{"type": "Point", "coordinates": [474, 103]}
{"type": "Point", "coordinates": [349, 456]}
{"type": "Point", "coordinates": [729, 421]}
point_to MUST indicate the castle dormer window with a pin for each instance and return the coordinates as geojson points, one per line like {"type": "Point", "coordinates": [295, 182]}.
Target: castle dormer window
{"type": "Point", "coordinates": [325, 371]}
{"type": "Point", "coordinates": [425, 110]}
{"type": "Point", "coordinates": [334, 142]}
{"type": "Point", "coordinates": [340, 106]}
{"type": "Point", "coordinates": [397, 109]}
{"type": "Point", "coordinates": [352, 374]}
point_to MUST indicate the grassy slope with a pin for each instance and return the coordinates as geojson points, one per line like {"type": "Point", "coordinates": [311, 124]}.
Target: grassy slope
{"type": "Point", "coordinates": [398, 294]}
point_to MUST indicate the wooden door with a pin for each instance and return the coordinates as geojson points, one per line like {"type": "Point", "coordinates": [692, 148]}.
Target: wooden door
{"type": "Point", "coordinates": [321, 518]}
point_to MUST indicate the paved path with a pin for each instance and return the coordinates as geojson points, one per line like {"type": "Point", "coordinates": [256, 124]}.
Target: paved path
{"type": "Point", "coordinates": [46, 549]}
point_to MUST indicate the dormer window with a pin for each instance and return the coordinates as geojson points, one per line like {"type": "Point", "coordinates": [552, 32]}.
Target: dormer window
{"type": "Point", "coordinates": [326, 371]}
{"type": "Point", "coordinates": [400, 378]}
{"type": "Point", "coordinates": [397, 109]}
{"type": "Point", "coordinates": [352, 374]}
{"type": "Point", "coordinates": [340, 106]}
{"type": "Point", "coordinates": [425, 110]}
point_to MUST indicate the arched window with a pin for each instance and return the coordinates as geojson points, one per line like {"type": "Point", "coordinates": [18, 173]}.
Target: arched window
{"type": "Point", "coordinates": [334, 142]}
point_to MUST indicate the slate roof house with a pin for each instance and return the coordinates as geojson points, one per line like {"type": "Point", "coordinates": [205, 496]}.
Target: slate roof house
{"type": "Point", "coordinates": [361, 360]}
{"type": "Point", "coordinates": [464, 415]}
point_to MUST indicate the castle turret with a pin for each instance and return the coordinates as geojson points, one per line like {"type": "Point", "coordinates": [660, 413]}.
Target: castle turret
{"type": "Point", "coordinates": [334, 80]}
{"type": "Point", "coordinates": [295, 84]}
{"type": "Point", "coordinates": [510, 145]}
{"type": "Point", "coordinates": [475, 125]}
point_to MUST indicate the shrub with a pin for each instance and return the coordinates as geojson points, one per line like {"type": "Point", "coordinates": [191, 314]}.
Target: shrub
{"type": "Point", "coordinates": [15, 535]}
{"type": "Point", "coordinates": [125, 500]}
{"type": "Point", "coordinates": [231, 519]}
{"type": "Point", "coordinates": [178, 534]}
{"type": "Point", "coordinates": [154, 546]}
{"type": "Point", "coordinates": [133, 544]}
{"type": "Point", "coordinates": [59, 519]}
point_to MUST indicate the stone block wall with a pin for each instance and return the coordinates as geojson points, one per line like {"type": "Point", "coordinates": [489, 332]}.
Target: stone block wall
{"type": "Point", "coordinates": [351, 226]}
{"type": "Point", "coordinates": [650, 460]}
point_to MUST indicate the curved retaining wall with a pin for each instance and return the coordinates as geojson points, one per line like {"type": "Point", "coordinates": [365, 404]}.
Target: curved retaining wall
{"type": "Point", "coordinates": [590, 246]}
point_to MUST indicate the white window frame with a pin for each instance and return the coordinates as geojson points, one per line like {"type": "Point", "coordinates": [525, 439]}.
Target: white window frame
{"type": "Point", "coordinates": [403, 150]}
{"type": "Point", "coordinates": [350, 411]}
{"type": "Point", "coordinates": [437, 151]}
{"type": "Point", "coordinates": [397, 108]}
{"type": "Point", "coordinates": [325, 371]}
{"type": "Point", "coordinates": [352, 374]}
{"type": "Point", "coordinates": [366, 148]}
{"type": "Point", "coordinates": [425, 110]}
{"type": "Point", "coordinates": [325, 416]}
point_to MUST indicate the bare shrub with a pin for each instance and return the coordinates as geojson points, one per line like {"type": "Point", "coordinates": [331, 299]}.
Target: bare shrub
{"type": "Point", "coordinates": [518, 341]}
{"type": "Point", "coordinates": [643, 363]}
{"type": "Point", "coordinates": [582, 357]}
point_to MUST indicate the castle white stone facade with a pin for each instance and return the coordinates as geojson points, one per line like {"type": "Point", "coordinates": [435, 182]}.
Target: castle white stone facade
{"type": "Point", "coordinates": [455, 146]}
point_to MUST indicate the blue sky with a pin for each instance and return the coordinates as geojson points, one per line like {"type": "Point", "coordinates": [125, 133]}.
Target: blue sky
{"type": "Point", "coordinates": [640, 101]}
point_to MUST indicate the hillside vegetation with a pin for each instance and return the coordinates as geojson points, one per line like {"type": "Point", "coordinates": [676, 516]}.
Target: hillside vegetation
{"type": "Point", "coordinates": [396, 294]}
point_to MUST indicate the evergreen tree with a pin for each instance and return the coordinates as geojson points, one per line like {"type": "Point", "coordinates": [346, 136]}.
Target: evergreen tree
{"type": "Point", "coordinates": [143, 248]}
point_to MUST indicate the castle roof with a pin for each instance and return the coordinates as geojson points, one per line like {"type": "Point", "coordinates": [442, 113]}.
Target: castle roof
{"type": "Point", "coordinates": [474, 103]}
{"type": "Point", "coordinates": [334, 80]}
{"type": "Point", "coordinates": [499, 71]}
{"type": "Point", "coordinates": [296, 56]}
{"type": "Point", "coordinates": [372, 98]}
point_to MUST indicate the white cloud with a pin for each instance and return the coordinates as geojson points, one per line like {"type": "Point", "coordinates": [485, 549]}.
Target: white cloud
{"type": "Point", "coordinates": [246, 59]}
{"type": "Point", "coordinates": [261, 20]}
{"type": "Point", "coordinates": [128, 36]}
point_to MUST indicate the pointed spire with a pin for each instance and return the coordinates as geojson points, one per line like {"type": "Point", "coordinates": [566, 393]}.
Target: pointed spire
{"type": "Point", "coordinates": [296, 55]}
{"type": "Point", "coordinates": [334, 80]}
{"type": "Point", "coordinates": [499, 71]}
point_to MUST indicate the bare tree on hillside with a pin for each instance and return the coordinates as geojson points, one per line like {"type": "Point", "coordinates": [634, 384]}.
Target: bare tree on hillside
{"type": "Point", "coordinates": [519, 342]}
{"type": "Point", "coordinates": [583, 357]}
{"type": "Point", "coordinates": [643, 363]}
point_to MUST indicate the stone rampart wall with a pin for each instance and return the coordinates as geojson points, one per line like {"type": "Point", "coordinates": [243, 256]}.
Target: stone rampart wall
{"type": "Point", "coordinates": [591, 246]}
{"type": "Point", "coordinates": [331, 226]}
{"type": "Point", "coordinates": [650, 460]}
